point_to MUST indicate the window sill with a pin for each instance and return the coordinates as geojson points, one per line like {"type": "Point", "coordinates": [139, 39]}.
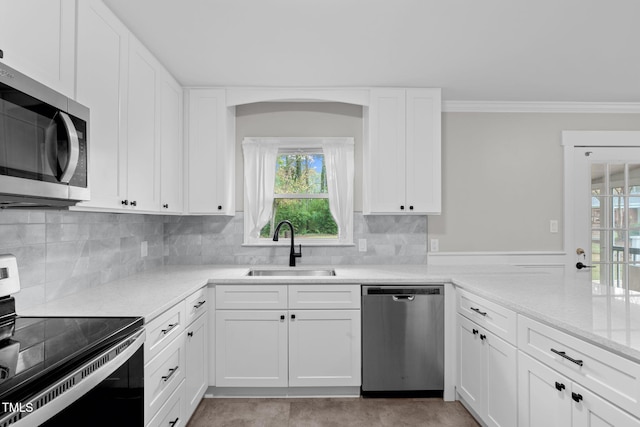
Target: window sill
{"type": "Point", "coordinates": [298, 242]}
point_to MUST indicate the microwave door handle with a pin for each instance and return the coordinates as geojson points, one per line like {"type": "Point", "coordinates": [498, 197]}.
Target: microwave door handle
{"type": "Point", "coordinates": [74, 148]}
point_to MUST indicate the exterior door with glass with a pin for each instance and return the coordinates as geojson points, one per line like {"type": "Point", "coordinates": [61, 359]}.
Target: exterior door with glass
{"type": "Point", "coordinates": [606, 217]}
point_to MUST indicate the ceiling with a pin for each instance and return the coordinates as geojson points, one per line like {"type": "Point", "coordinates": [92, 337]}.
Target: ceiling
{"type": "Point", "coordinates": [475, 50]}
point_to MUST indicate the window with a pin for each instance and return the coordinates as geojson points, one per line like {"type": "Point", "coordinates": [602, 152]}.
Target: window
{"type": "Point", "coordinates": [308, 181]}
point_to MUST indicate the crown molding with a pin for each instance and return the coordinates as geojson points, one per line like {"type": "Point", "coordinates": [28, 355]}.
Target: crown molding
{"type": "Point", "coordinates": [540, 107]}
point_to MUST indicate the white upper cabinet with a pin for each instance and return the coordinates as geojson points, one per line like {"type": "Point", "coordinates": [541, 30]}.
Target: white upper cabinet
{"type": "Point", "coordinates": [143, 143]}
{"type": "Point", "coordinates": [102, 57]}
{"type": "Point", "coordinates": [135, 141]}
{"type": "Point", "coordinates": [171, 145]}
{"type": "Point", "coordinates": [38, 39]}
{"type": "Point", "coordinates": [210, 153]}
{"type": "Point", "coordinates": [402, 152]}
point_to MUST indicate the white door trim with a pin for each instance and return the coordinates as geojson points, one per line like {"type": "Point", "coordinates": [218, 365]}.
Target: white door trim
{"type": "Point", "coordinates": [571, 140]}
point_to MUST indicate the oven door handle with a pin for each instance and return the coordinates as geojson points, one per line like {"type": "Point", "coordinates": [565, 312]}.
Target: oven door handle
{"type": "Point", "coordinates": [72, 387]}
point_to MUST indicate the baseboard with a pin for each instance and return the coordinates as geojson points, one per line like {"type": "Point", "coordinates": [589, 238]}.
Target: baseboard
{"type": "Point", "coordinates": [240, 392]}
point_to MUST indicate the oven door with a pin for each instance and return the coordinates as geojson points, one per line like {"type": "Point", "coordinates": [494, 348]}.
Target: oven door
{"type": "Point", "coordinates": [106, 391]}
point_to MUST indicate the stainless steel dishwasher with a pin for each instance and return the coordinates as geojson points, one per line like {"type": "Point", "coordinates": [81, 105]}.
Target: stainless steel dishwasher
{"type": "Point", "coordinates": [402, 340]}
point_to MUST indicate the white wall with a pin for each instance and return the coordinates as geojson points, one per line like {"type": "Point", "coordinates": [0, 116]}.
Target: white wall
{"type": "Point", "coordinates": [503, 178]}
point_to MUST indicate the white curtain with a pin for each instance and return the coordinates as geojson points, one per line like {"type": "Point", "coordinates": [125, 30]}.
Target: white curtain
{"type": "Point", "coordinates": [338, 159]}
{"type": "Point", "coordinates": [259, 180]}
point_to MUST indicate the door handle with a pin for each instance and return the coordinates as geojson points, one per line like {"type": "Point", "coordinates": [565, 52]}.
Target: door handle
{"type": "Point", "coordinates": [580, 266]}
{"type": "Point", "coordinates": [63, 173]}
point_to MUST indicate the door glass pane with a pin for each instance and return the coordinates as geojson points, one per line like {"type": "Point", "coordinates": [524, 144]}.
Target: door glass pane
{"type": "Point", "coordinates": [615, 225]}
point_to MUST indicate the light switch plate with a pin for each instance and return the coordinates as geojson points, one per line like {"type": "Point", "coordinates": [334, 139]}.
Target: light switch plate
{"type": "Point", "coordinates": [553, 226]}
{"type": "Point", "coordinates": [144, 249]}
{"type": "Point", "coordinates": [362, 245]}
{"type": "Point", "coordinates": [434, 245]}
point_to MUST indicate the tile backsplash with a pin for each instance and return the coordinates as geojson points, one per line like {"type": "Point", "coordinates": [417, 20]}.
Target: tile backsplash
{"type": "Point", "coordinates": [391, 239]}
{"type": "Point", "coordinates": [60, 252]}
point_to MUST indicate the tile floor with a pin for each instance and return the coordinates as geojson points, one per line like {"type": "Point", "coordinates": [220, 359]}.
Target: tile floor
{"type": "Point", "coordinates": [321, 412]}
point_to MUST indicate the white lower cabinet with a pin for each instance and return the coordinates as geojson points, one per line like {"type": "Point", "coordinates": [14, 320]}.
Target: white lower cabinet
{"type": "Point", "coordinates": [487, 374]}
{"type": "Point", "coordinates": [322, 348]}
{"type": "Point", "coordinates": [176, 362]}
{"type": "Point", "coordinates": [286, 346]}
{"type": "Point", "coordinates": [251, 348]}
{"type": "Point", "coordinates": [549, 399]}
{"type": "Point", "coordinates": [196, 352]}
{"type": "Point", "coordinates": [172, 413]}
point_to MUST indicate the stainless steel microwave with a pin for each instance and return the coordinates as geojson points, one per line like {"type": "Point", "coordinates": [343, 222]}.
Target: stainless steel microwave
{"type": "Point", "coordinates": [43, 144]}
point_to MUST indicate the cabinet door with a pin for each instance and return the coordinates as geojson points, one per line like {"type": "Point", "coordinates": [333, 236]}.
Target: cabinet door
{"type": "Point", "coordinates": [591, 410]}
{"type": "Point", "coordinates": [544, 396]}
{"type": "Point", "coordinates": [251, 348]}
{"type": "Point", "coordinates": [171, 145]}
{"type": "Point", "coordinates": [423, 148]}
{"type": "Point", "coordinates": [196, 362]}
{"type": "Point", "coordinates": [143, 157]}
{"type": "Point", "coordinates": [470, 365]}
{"type": "Point", "coordinates": [324, 348]}
{"type": "Point", "coordinates": [384, 153]}
{"type": "Point", "coordinates": [102, 57]}
{"type": "Point", "coordinates": [501, 382]}
{"type": "Point", "coordinates": [210, 153]}
{"type": "Point", "coordinates": [38, 39]}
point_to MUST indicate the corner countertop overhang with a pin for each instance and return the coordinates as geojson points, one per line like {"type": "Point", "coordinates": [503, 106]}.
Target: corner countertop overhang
{"type": "Point", "coordinates": [583, 310]}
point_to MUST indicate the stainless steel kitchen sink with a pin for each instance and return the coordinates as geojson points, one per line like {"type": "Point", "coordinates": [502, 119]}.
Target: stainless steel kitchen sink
{"type": "Point", "coordinates": [291, 272]}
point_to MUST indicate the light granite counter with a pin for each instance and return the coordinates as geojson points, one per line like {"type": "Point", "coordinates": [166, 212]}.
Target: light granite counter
{"type": "Point", "coordinates": [609, 321]}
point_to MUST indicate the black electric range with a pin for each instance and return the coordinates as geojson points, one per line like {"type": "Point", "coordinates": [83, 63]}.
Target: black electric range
{"type": "Point", "coordinates": [42, 349]}
{"type": "Point", "coordinates": [64, 371]}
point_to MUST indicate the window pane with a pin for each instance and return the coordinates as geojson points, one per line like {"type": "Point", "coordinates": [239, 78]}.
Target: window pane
{"type": "Point", "coordinates": [300, 174]}
{"type": "Point", "coordinates": [311, 218]}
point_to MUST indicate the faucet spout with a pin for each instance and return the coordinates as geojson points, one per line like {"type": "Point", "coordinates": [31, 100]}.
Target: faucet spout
{"type": "Point", "coordinates": [292, 254]}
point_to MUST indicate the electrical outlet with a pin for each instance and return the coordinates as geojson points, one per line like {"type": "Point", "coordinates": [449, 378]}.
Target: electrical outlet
{"type": "Point", "coordinates": [144, 249]}
{"type": "Point", "coordinates": [434, 245]}
{"type": "Point", "coordinates": [362, 245]}
{"type": "Point", "coordinates": [553, 226]}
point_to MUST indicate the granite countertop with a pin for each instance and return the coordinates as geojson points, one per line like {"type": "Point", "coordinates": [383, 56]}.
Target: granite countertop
{"type": "Point", "coordinates": [583, 310]}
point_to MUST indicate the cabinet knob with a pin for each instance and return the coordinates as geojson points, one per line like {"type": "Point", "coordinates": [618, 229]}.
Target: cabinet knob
{"type": "Point", "coordinates": [293, 317]}
{"type": "Point", "coordinates": [219, 207]}
{"type": "Point", "coordinates": [576, 396]}
{"type": "Point", "coordinates": [125, 202]}
{"type": "Point", "coordinates": [475, 331]}
{"type": "Point", "coordinates": [190, 334]}
{"type": "Point", "coordinates": [134, 203]}
{"type": "Point", "coordinates": [1, 54]}
{"type": "Point", "coordinates": [401, 207]}
{"type": "Point", "coordinates": [559, 386]}
{"type": "Point", "coordinates": [166, 206]}
{"type": "Point", "coordinates": [410, 208]}
{"type": "Point", "coordinates": [282, 317]}
{"type": "Point", "coordinates": [483, 337]}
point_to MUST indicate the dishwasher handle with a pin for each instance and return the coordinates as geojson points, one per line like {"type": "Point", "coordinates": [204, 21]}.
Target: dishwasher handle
{"type": "Point", "coordinates": [403, 291]}
{"type": "Point", "coordinates": [407, 298]}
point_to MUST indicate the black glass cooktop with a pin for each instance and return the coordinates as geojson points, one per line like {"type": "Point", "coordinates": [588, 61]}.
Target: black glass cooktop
{"type": "Point", "coordinates": [35, 351]}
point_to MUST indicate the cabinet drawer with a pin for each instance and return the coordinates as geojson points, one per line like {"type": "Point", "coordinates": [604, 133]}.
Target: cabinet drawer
{"type": "Point", "coordinates": [613, 377]}
{"type": "Point", "coordinates": [163, 329]}
{"type": "Point", "coordinates": [196, 304]}
{"type": "Point", "coordinates": [162, 376]}
{"type": "Point", "coordinates": [495, 318]}
{"type": "Point", "coordinates": [324, 296]}
{"type": "Point", "coordinates": [172, 411]}
{"type": "Point", "coordinates": [252, 297]}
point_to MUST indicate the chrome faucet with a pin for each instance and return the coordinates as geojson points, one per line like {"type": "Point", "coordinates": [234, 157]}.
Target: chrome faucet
{"type": "Point", "coordinates": [293, 254]}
